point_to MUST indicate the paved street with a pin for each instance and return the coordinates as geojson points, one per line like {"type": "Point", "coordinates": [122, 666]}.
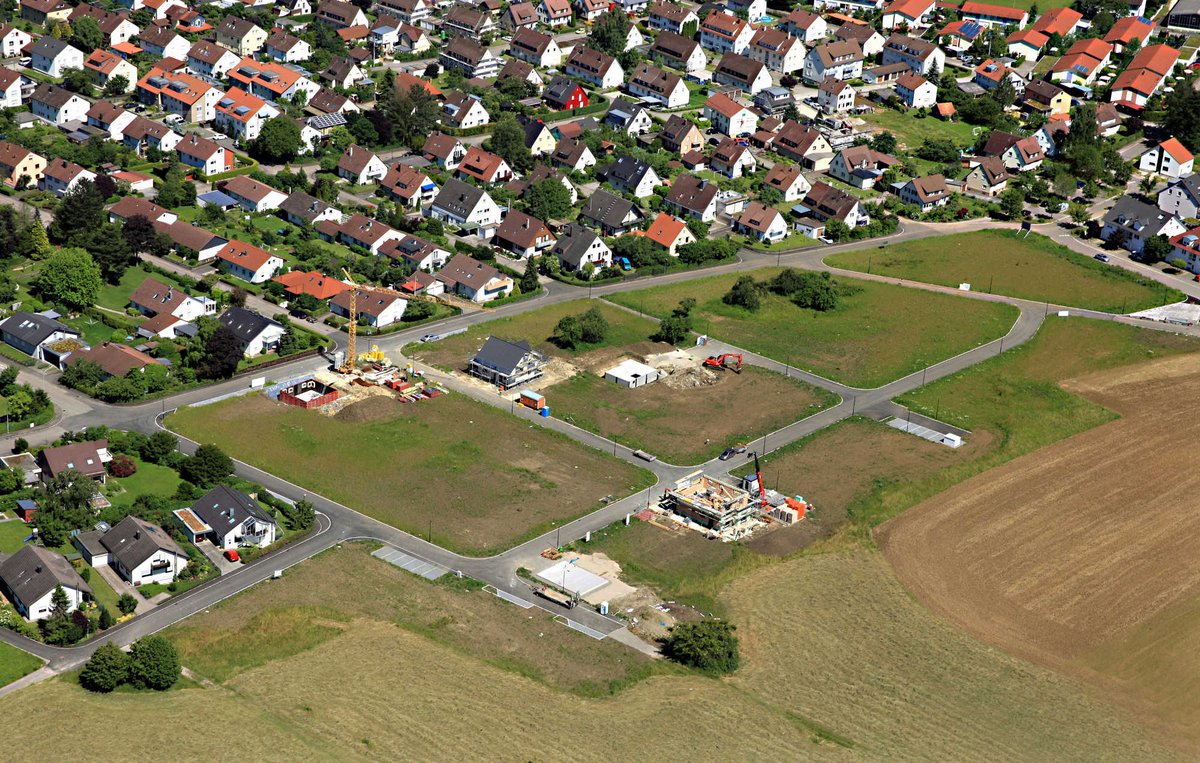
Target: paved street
{"type": "Point", "coordinates": [338, 523]}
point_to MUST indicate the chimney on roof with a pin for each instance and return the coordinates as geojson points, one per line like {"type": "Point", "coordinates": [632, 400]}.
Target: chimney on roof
{"type": "Point", "coordinates": [38, 569]}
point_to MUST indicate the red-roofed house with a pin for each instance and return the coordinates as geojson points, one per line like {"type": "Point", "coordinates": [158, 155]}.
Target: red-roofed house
{"type": "Point", "coordinates": [670, 233]}
{"type": "Point", "coordinates": [241, 115]}
{"type": "Point", "coordinates": [1168, 158]}
{"type": "Point", "coordinates": [317, 285]}
{"type": "Point", "coordinates": [909, 14]}
{"type": "Point", "coordinates": [1128, 29]}
{"type": "Point", "coordinates": [994, 15]}
{"type": "Point", "coordinates": [248, 262]}
{"type": "Point", "coordinates": [104, 65]}
{"type": "Point", "coordinates": [1082, 62]}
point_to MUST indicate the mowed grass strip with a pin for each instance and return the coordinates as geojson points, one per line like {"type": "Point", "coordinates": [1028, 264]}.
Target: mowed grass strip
{"type": "Point", "coordinates": [878, 334]}
{"type": "Point", "coordinates": [536, 327]}
{"type": "Point", "coordinates": [1002, 262]}
{"type": "Point", "coordinates": [474, 478]}
{"type": "Point", "coordinates": [15, 663]}
{"type": "Point", "coordinates": [687, 426]}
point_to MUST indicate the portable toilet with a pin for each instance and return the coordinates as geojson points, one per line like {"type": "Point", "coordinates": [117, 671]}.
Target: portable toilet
{"type": "Point", "coordinates": [531, 399]}
{"type": "Point", "coordinates": [545, 412]}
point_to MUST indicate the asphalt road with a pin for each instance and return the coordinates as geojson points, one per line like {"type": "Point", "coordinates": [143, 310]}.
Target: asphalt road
{"type": "Point", "coordinates": [338, 523]}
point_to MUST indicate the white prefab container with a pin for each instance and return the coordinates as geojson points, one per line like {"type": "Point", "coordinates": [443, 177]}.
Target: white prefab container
{"type": "Point", "coordinates": [630, 374]}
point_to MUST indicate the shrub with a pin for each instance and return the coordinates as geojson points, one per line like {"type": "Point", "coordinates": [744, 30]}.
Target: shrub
{"type": "Point", "coordinates": [122, 466]}
{"type": "Point", "coordinates": [707, 645]}
{"type": "Point", "coordinates": [155, 663]}
{"type": "Point", "coordinates": [127, 604]}
{"type": "Point", "coordinates": [108, 668]}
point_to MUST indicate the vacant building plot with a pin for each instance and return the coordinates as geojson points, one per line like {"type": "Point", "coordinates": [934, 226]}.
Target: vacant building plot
{"type": "Point", "coordinates": [537, 328]}
{"type": "Point", "coordinates": [686, 424]}
{"type": "Point", "coordinates": [879, 333]}
{"type": "Point", "coordinates": [476, 478]}
{"type": "Point", "coordinates": [1066, 555]}
{"type": "Point", "coordinates": [1010, 263]}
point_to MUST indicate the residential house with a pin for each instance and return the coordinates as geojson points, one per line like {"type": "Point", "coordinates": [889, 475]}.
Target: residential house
{"type": "Point", "coordinates": [340, 14]}
{"type": "Point", "coordinates": [19, 166]}
{"type": "Point", "coordinates": [35, 335]}
{"type": "Point", "coordinates": [522, 235]}
{"type": "Point", "coordinates": [835, 96]}
{"type": "Point", "coordinates": [681, 136]}
{"type": "Point", "coordinates": [186, 239]}
{"type": "Point", "coordinates": [302, 209]}
{"type": "Point", "coordinates": [989, 177]}
{"type": "Point", "coordinates": [870, 41]}
{"type": "Point", "coordinates": [417, 253]}
{"type": "Point", "coordinates": [10, 89]}
{"type": "Point", "coordinates": [45, 11]}
{"type": "Point", "coordinates": [473, 23]}
{"type": "Point", "coordinates": [841, 60]}
{"type": "Point", "coordinates": [988, 15]}
{"type": "Point", "coordinates": [732, 159]}
{"type": "Point", "coordinates": [563, 94]}
{"type": "Point", "coordinates": [809, 27]}
{"type": "Point", "coordinates": [61, 176]}
{"type": "Point", "coordinates": [959, 36]}
{"type": "Point", "coordinates": [1082, 62]}
{"type": "Point", "coordinates": [926, 193]}
{"type": "Point", "coordinates": [287, 48]}
{"type": "Point", "coordinates": [464, 112]}
{"type": "Point", "coordinates": [535, 48]}
{"type": "Point", "coordinates": [788, 180]}
{"type": "Point", "coordinates": [590, 10]}
{"type": "Point", "coordinates": [742, 72]}
{"type": "Point", "coordinates": [53, 57]}
{"type": "Point", "coordinates": [693, 197]}
{"type": "Point", "coordinates": [670, 233]}
{"type": "Point", "coordinates": [252, 195]}
{"type": "Point", "coordinates": [577, 247]}
{"type": "Point", "coordinates": [1127, 31]}
{"type": "Point", "coordinates": [1146, 73]}
{"type": "Point", "coordinates": [522, 71]}
{"type": "Point", "coordinates": [649, 81]}
{"type": "Point", "coordinates": [761, 222]}
{"type": "Point", "coordinates": [164, 42]}
{"type": "Point", "coordinates": [179, 93]}
{"type": "Point", "coordinates": [141, 134]}
{"type": "Point", "coordinates": [168, 306]}
{"type": "Point", "coordinates": [139, 551]}
{"type": "Point", "coordinates": [555, 13]}
{"type": "Point", "coordinates": [465, 206]}
{"type": "Point", "coordinates": [85, 458]}
{"type": "Point", "coordinates": [470, 58]}
{"type": "Point", "coordinates": [1168, 158]}
{"type": "Point", "coordinates": [57, 105]}
{"type": "Point", "coordinates": [241, 115]}
{"type": "Point", "coordinates": [1130, 223]}
{"type": "Point", "coordinates": [116, 27]}
{"type": "Point", "coordinates": [408, 186]}
{"type": "Point", "coordinates": [414, 12]}
{"type": "Point", "coordinates": [241, 36]}
{"type": "Point", "coordinates": [612, 215]}
{"type": "Point", "coordinates": [595, 68]}
{"type": "Point", "coordinates": [1047, 99]}
{"type": "Point", "coordinates": [777, 50]}
{"type": "Point", "coordinates": [921, 56]}
{"type": "Point", "coordinates": [803, 144]}
{"type": "Point", "coordinates": [484, 167]}
{"type": "Point", "coordinates": [672, 17]}
{"type": "Point", "coordinates": [255, 333]}
{"type": "Point", "coordinates": [273, 81]}
{"type": "Point", "coordinates": [678, 51]}
{"type": "Point", "coordinates": [360, 166]}
{"type": "Point", "coordinates": [519, 16]}
{"type": "Point", "coordinates": [1024, 45]}
{"type": "Point", "coordinates": [228, 518]}
{"type": "Point", "coordinates": [825, 203]}
{"type": "Point", "coordinates": [343, 73]}
{"type": "Point", "coordinates": [631, 176]}
{"type": "Point", "coordinates": [206, 58]}
{"type": "Point", "coordinates": [730, 117]}
{"type": "Point", "coordinates": [248, 262]}
{"type": "Point", "coordinates": [861, 166]}
{"type": "Point", "coordinates": [630, 118]}
{"type": "Point", "coordinates": [444, 151]}
{"type": "Point", "coordinates": [358, 231]}
{"type": "Point", "coordinates": [31, 576]}
{"type": "Point", "coordinates": [1182, 197]}
{"type": "Point", "coordinates": [916, 92]}
{"type": "Point", "coordinates": [378, 307]}
{"type": "Point", "coordinates": [208, 157]}
{"type": "Point", "coordinates": [110, 119]}
{"type": "Point", "coordinates": [723, 32]}
{"type": "Point", "coordinates": [572, 154]}
{"type": "Point", "coordinates": [506, 364]}
{"type": "Point", "coordinates": [105, 66]}
{"type": "Point", "coordinates": [539, 138]}
{"type": "Point", "coordinates": [990, 73]}
{"type": "Point", "coordinates": [13, 41]}
{"type": "Point", "coordinates": [542, 172]}
{"type": "Point", "coordinates": [907, 14]}
{"type": "Point", "coordinates": [1019, 154]}
{"type": "Point", "coordinates": [474, 280]}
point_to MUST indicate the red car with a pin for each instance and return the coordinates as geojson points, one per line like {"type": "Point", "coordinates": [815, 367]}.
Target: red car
{"type": "Point", "coordinates": [232, 555]}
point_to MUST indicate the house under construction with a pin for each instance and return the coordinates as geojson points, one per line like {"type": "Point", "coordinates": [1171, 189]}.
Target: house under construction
{"type": "Point", "coordinates": [709, 502]}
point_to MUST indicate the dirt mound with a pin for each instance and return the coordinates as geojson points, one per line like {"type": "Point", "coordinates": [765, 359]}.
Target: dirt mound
{"type": "Point", "coordinates": [691, 378]}
{"type": "Point", "coordinates": [374, 408]}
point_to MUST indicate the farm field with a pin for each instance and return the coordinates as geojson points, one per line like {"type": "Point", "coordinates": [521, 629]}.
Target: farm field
{"type": "Point", "coordinates": [422, 467]}
{"type": "Point", "coordinates": [1071, 559]}
{"type": "Point", "coordinates": [536, 327]}
{"type": "Point", "coordinates": [674, 424]}
{"type": "Point", "coordinates": [907, 686]}
{"type": "Point", "coordinates": [1001, 262]}
{"type": "Point", "coordinates": [878, 334]}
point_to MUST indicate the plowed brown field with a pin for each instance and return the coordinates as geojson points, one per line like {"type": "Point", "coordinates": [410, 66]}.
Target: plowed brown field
{"type": "Point", "coordinates": [1063, 554]}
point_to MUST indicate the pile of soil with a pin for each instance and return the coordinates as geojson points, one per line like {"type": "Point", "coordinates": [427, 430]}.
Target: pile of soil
{"type": "Point", "coordinates": [367, 410]}
{"type": "Point", "coordinates": [691, 378]}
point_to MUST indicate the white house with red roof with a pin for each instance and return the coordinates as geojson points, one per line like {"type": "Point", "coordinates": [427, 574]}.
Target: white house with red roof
{"type": "Point", "coordinates": [1168, 158]}
{"type": "Point", "coordinates": [248, 262]}
{"type": "Point", "coordinates": [241, 115]}
{"type": "Point", "coordinates": [206, 156]}
{"type": "Point", "coordinates": [909, 14]}
{"type": "Point", "coordinates": [252, 195]}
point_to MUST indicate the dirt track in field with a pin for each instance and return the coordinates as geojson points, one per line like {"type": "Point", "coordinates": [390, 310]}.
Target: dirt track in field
{"type": "Point", "coordinates": [1057, 553]}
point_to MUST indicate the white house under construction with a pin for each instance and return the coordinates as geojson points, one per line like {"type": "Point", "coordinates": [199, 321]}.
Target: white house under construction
{"type": "Point", "coordinates": [711, 503]}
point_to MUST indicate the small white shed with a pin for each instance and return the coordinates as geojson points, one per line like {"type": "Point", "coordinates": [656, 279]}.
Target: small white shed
{"type": "Point", "coordinates": [631, 373]}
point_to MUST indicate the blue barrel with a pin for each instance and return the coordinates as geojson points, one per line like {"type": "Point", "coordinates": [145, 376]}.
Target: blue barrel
{"type": "Point", "coordinates": [546, 412]}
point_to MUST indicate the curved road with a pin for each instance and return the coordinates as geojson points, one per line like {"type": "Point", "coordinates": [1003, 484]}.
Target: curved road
{"type": "Point", "coordinates": [338, 523]}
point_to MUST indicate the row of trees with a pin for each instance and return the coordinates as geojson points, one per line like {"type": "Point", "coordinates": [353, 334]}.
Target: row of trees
{"type": "Point", "coordinates": [806, 289]}
{"type": "Point", "coordinates": [152, 663]}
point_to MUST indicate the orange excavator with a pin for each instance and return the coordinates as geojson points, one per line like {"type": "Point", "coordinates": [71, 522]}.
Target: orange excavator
{"type": "Point", "coordinates": [718, 361]}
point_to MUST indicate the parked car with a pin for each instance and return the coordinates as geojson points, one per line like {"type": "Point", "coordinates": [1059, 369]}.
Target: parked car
{"type": "Point", "coordinates": [24, 61]}
{"type": "Point", "coordinates": [232, 555]}
{"type": "Point", "coordinates": [430, 338]}
{"type": "Point", "coordinates": [1101, 257]}
{"type": "Point", "coordinates": [727, 454]}
{"type": "Point", "coordinates": [173, 119]}
{"type": "Point", "coordinates": [625, 264]}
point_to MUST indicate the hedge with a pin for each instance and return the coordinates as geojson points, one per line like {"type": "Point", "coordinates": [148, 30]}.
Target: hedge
{"type": "Point", "coordinates": [17, 356]}
{"type": "Point", "coordinates": [246, 170]}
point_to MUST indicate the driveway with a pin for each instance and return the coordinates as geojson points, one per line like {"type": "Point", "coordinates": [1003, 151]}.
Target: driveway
{"type": "Point", "coordinates": [121, 587]}
{"type": "Point", "coordinates": [217, 557]}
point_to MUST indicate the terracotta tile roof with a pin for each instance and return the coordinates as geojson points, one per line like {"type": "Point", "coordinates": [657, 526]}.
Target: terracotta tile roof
{"type": "Point", "coordinates": [317, 284]}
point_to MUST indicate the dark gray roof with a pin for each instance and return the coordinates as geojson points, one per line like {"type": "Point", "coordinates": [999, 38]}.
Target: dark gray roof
{"type": "Point", "coordinates": [622, 112]}
{"type": "Point", "coordinates": [502, 355]}
{"type": "Point", "coordinates": [224, 508]}
{"type": "Point", "coordinates": [458, 197]}
{"type": "Point", "coordinates": [1190, 183]}
{"type": "Point", "coordinates": [90, 542]}
{"type": "Point", "coordinates": [304, 206]}
{"type": "Point", "coordinates": [135, 540]}
{"type": "Point", "coordinates": [607, 209]}
{"type": "Point", "coordinates": [32, 328]}
{"type": "Point", "coordinates": [49, 47]}
{"type": "Point", "coordinates": [573, 242]}
{"type": "Point", "coordinates": [32, 572]}
{"type": "Point", "coordinates": [626, 172]}
{"type": "Point", "coordinates": [1137, 216]}
{"type": "Point", "coordinates": [245, 324]}
{"type": "Point", "coordinates": [559, 90]}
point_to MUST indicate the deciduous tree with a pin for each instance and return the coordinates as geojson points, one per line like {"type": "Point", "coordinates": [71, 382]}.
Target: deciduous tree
{"type": "Point", "coordinates": [71, 277]}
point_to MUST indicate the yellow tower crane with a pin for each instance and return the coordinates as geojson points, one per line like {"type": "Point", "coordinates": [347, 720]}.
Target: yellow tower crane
{"type": "Point", "coordinates": [348, 365]}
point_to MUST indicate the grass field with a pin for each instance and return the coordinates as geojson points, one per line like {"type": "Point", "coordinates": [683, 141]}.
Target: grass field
{"type": "Point", "coordinates": [536, 327]}
{"type": "Point", "coordinates": [878, 334]}
{"type": "Point", "coordinates": [116, 296]}
{"type": "Point", "coordinates": [424, 468]}
{"type": "Point", "coordinates": [912, 132]}
{"type": "Point", "coordinates": [13, 533]}
{"type": "Point", "coordinates": [1001, 262]}
{"type": "Point", "coordinates": [149, 479]}
{"type": "Point", "coordinates": [14, 663]}
{"type": "Point", "coordinates": [675, 424]}
{"type": "Point", "coordinates": [904, 686]}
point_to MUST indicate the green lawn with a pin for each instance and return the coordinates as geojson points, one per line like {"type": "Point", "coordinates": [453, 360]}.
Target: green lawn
{"type": "Point", "coordinates": [1044, 65]}
{"type": "Point", "coordinates": [104, 593]}
{"type": "Point", "coordinates": [149, 479]}
{"type": "Point", "coordinates": [13, 534]}
{"type": "Point", "coordinates": [14, 664]}
{"type": "Point", "coordinates": [911, 131]}
{"type": "Point", "coordinates": [93, 331]}
{"type": "Point", "coordinates": [116, 296]}
{"type": "Point", "coordinates": [1003, 262]}
{"type": "Point", "coordinates": [878, 334]}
